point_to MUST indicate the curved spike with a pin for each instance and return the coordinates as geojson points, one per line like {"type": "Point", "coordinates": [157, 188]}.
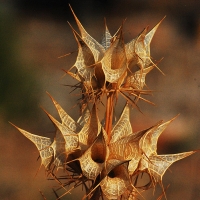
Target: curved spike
{"type": "Point", "coordinates": [91, 129]}
{"type": "Point", "coordinates": [65, 118]}
{"type": "Point", "coordinates": [73, 75]}
{"type": "Point", "coordinates": [84, 59]}
{"type": "Point", "coordinates": [147, 41]}
{"type": "Point", "coordinates": [106, 39]}
{"type": "Point", "coordinates": [96, 48]}
{"type": "Point", "coordinates": [83, 119]}
{"type": "Point", "coordinates": [71, 139]}
{"type": "Point", "coordinates": [158, 164]}
{"type": "Point", "coordinates": [148, 142]}
{"type": "Point", "coordinates": [43, 145]}
{"type": "Point", "coordinates": [123, 126]}
{"type": "Point", "coordinates": [135, 49]}
{"type": "Point", "coordinates": [60, 154]}
{"type": "Point", "coordinates": [150, 34]}
{"type": "Point", "coordinates": [140, 49]}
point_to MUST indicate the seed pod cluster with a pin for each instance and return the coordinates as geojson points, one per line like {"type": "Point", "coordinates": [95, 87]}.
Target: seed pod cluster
{"type": "Point", "coordinates": [106, 157]}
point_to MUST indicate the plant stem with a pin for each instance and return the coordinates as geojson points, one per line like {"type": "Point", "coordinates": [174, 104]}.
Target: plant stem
{"type": "Point", "coordinates": [109, 115]}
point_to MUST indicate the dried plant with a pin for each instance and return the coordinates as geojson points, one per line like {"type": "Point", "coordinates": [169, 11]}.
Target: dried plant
{"type": "Point", "coordinates": [106, 157]}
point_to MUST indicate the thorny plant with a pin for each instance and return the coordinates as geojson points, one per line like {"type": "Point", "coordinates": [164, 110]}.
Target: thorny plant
{"type": "Point", "coordinates": [106, 157]}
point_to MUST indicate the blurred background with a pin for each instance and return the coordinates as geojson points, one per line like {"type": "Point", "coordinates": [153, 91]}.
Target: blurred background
{"type": "Point", "coordinates": [33, 34]}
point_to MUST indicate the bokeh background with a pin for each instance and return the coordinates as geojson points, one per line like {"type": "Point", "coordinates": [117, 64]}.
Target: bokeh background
{"type": "Point", "coordinates": [33, 34]}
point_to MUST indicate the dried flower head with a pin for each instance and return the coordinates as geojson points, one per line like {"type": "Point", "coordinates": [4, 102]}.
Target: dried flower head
{"type": "Point", "coordinates": [106, 158]}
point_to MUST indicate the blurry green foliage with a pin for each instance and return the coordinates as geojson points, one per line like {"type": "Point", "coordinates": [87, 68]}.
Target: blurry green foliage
{"type": "Point", "coordinates": [19, 90]}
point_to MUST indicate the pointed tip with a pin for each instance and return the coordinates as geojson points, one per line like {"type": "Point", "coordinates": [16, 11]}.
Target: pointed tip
{"type": "Point", "coordinates": [162, 19]}
{"type": "Point", "coordinates": [158, 68]}
{"type": "Point", "coordinates": [71, 8]}
{"type": "Point", "coordinates": [46, 112]}
{"type": "Point", "coordinates": [53, 120]}
{"type": "Point", "coordinates": [53, 100]}
{"type": "Point", "coordinates": [155, 65]}
{"type": "Point", "coordinates": [20, 130]}
{"type": "Point", "coordinates": [14, 125]}
{"type": "Point", "coordinates": [74, 31]}
{"type": "Point", "coordinates": [105, 24]}
{"type": "Point", "coordinates": [158, 24]}
{"type": "Point", "coordinates": [116, 34]}
{"type": "Point", "coordinates": [144, 31]}
{"type": "Point", "coordinates": [48, 93]}
{"type": "Point", "coordinates": [191, 152]}
{"type": "Point", "coordinates": [123, 22]}
{"type": "Point", "coordinates": [174, 118]}
{"type": "Point", "coordinates": [182, 155]}
{"type": "Point", "coordinates": [80, 26]}
{"type": "Point", "coordinates": [150, 34]}
{"type": "Point", "coordinates": [169, 121]}
{"type": "Point", "coordinates": [49, 115]}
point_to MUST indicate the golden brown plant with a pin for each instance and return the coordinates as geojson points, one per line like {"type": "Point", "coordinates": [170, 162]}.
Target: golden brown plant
{"type": "Point", "coordinates": [106, 157]}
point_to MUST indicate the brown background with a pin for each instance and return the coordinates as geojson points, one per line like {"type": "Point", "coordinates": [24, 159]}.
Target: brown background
{"type": "Point", "coordinates": [35, 33]}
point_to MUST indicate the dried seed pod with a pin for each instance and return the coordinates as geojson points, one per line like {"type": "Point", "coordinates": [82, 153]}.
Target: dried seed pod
{"type": "Point", "coordinates": [93, 160]}
{"type": "Point", "coordinates": [116, 182]}
{"type": "Point", "coordinates": [84, 59]}
{"type": "Point", "coordinates": [137, 79]}
{"type": "Point", "coordinates": [91, 128]}
{"type": "Point", "coordinates": [114, 60]}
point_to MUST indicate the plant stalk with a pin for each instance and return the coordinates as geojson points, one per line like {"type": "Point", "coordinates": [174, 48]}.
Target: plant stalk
{"type": "Point", "coordinates": [109, 115]}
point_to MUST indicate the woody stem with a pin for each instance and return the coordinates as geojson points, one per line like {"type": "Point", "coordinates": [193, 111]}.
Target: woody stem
{"type": "Point", "coordinates": [109, 114]}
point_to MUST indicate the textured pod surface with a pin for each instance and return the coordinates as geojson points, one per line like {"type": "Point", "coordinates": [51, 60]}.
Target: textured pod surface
{"type": "Point", "coordinates": [116, 183]}
{"type": "Point", "coordinates": [123, 127]}
{"type": "Point", "coordinates": [93, 160]}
